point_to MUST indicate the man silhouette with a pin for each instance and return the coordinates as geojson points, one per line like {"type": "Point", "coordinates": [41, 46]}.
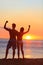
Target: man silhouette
{"type": "Point", "coordinates": [12, 40]}
{"type": "Point", "coordinates": [19, 40]}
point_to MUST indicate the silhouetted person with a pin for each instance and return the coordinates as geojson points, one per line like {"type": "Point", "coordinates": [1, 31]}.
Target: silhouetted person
{"type": "Point", "coordinates": [20, 42]}
{"type": "Point", "coordinates": [12, 40]}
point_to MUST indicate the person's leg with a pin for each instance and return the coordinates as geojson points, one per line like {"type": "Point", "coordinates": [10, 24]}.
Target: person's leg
{"type": "Point", "coordinates": [6, 53]}
{"type": "Point", "coordinates": [22, 50]}
{"type": "Point", "coordinates": [13, 53]}
{"type": "Point", "coordinates": [14, 48]}
{"type": "Point", "coordinates": [18, 52]}
{"type": "Point", "coordinates": [7, 49]}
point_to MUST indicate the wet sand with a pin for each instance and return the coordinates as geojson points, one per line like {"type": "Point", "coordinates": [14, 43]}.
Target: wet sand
{"type": "Point", "coordinates": [38, 61]}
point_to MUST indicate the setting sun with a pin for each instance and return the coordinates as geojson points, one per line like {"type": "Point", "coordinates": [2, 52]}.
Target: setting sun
{"type": "Point", "coordinates": [31, 37]}
{"type": "Point", "coordinates": [28, 37]}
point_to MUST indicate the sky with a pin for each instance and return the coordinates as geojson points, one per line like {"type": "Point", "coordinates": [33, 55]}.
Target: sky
{"type": "Point", "coordinates": [23, 13]}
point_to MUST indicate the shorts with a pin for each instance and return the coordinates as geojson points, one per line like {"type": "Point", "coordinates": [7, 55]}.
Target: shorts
{"type": "Point", "coordinates": [11, 43]}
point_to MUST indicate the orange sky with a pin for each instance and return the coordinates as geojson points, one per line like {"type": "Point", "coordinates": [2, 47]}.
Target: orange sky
{"type": "Point", "coordinates": [22, 17]}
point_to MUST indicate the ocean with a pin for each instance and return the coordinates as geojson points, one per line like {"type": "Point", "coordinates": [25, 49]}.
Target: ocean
{"type": "Point", "coordinates": [32, 49]}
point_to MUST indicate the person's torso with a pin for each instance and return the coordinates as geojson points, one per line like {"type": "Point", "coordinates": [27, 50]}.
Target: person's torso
{"type": "Point", "coordinates": [20, 35]}
{"type": "Point", "coordinates": [13, 34]}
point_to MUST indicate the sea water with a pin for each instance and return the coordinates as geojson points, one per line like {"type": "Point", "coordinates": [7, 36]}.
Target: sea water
{"type": "Point", "coordinates": [32, 49]}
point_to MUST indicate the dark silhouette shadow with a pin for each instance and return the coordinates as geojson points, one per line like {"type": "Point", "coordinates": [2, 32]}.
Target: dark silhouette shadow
{"type": "Point", "coordinates": [20, 42]}
{"type": "Point", "coordinates": [12, 41]}
{"type": "Point", "coordinates": [34, 61]}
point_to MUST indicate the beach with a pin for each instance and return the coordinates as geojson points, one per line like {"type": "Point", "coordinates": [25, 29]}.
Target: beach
{"type": "Point", "coordinates": [21, 61]}
{"type": "Point", "coordinates": [21, 32]}
{"type": "Point", "coordinates": [33, 53]}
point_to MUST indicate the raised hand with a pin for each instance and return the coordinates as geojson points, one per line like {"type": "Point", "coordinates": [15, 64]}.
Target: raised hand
{"type": "Point", "coordinates": [5, 24]}
{"type": "Point", "coordinates": [29, 26]}
{"type": "Point", "coordinates": [6, 21]}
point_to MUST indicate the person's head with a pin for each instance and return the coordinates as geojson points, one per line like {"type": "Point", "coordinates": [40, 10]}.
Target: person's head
{"type": "Point", "coordinates": [21, 29]}
{"type": "Point", "coordinates": [13, 26]}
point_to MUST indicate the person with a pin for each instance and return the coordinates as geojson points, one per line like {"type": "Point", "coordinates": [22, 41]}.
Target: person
{"type": "Point", "coordinates": [20, 42]}
{"type": "Point", "coordinates": [12, 40]}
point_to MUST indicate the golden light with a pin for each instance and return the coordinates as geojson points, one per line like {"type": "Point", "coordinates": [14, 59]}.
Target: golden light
{"type": "Point", "coordinates": [31, 37]}
{"type": "Point", "coordinates": [28, 56]}
{"type": "Point", "coordinates": [28, 37]}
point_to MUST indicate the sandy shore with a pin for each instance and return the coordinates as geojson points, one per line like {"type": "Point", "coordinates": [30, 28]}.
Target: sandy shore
{"type": "Point", "coordinates": [21, 61]}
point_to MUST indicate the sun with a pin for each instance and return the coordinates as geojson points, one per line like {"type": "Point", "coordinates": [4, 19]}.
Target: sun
{"type": "Point", "coordinates": [31, 37]}
{"type": "Point", "coordinates": [28, 37]}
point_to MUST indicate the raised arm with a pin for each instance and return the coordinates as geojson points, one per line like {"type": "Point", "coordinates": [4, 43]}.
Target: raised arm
{"type": "Point", "coordinates": [27, 30]}
{"type": "Point", "coordinates": [5, 26]}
